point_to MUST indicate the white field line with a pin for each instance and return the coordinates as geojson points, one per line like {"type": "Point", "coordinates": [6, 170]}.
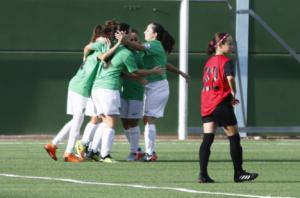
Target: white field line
{"type": "Point", "coordinates": [138, 186]}
{"type": "Point", "coordinates": [158, 142]}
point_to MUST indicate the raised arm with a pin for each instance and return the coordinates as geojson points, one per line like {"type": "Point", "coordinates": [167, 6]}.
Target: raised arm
{"type": "Point", "coordinates": [87, 49]}
{"type": "Point", "coordinates": [123, 38]}
{"type": "Point", "coordinates": [108, 54]}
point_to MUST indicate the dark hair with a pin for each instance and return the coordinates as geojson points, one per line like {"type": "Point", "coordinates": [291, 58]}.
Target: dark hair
{"type": "Point", "coordinates": [164, 37]}
{"type": "Point", "coordinates": [109, 28]}
{"type": "Point", "coordinates": [134, 31]}
{"type": "Point", "coordinates": [123, 27]}
{"type": "Point", "coordinates": [97, 32]}
{"type": "Point", "coordinates": [219, 38]}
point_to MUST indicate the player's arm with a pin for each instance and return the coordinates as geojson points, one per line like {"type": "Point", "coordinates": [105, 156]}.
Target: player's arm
{"type": "Point", "coordinates": [108, 54]}
{"type": "Point", "coordinates": [123, 38]}
{"type": "Point", "coordinates": [173, 69]}
{"type": "Point", "coordinates": [229, 72]}
{"type": "Point", "coordinates": [148, 72]}
{"type": "Point", "coordinates": [127, 75]}
{"type": "Point", "coordinates": [87, 49]}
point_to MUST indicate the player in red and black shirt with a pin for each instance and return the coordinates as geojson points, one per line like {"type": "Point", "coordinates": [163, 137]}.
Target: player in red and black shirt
{"type": "Point", "coordinates": [217, 101]}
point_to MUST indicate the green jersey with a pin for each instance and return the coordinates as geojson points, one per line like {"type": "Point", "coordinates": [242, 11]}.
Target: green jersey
{"type": "Point", "coordinates": [155, 55]}
{"type": "Point", "coordinates": [132, 89]}
{"type": "Point", "coordinates": [83, 80]}
{"type": "Point", "coordinates": [109, 77]}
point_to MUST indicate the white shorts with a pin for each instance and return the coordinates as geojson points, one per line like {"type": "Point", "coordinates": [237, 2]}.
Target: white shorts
{"type": "Point", "coordinates": [156, 98]}
{"type": "Point", "coordinates": [131, 109]}
{"type": "Point", "coordinates": [107, 101]}
{"type": "Point", "coordinates": [90, 108]}
{"type": "Point", "coordinates": [76, 103]}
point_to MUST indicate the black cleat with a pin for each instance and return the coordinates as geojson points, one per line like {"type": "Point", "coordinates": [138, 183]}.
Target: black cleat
{"type": "Point", "coordinates": [205, 179]}
{"type": "Point", "coordinates": [244, 176]}
{"type": "Point", "coordinates": [92, 156]}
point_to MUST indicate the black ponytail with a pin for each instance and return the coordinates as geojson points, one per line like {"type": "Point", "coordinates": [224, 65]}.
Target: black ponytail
{"type": "Point", "coordinates": [164, 37]}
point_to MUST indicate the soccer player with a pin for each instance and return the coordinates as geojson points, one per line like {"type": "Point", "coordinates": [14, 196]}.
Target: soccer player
{"type": "Point", "coordinates": [79, 91]}
{"type": "Point", "coordinates": [106, 95]}
{"type": "Point", "coordinates": [132, 95]}
{"type": "Point", "coordinates": [218, 96]}
{"type": "Point", "coordinates": [158, 44]}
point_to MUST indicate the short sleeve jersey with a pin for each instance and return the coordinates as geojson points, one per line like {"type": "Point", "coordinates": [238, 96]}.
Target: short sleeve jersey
{"type": "Point", "coordinates": [154, 55]}
{"type": "Point", "coordinates": [109, 77]}
{"type": "Point", "coordinates": [83, 80]}
{"type": "Point", "coordinates": [215, 87]}
{"type": "Point", "coordinates": [132, 89]}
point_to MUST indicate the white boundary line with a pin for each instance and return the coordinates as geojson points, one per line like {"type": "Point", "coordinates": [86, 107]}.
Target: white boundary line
{"type": "Point", "coordinates": [137, 186]}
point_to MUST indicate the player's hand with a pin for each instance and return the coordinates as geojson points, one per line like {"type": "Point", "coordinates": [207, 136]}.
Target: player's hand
{"type": "Point", "coordinates": [159, 70]}
{"type": "Point", "coordinates": [104, 40]}
{"type": "Point", "coordinates": [121, 37]}
{"type": "Point", "coordinates": [235, 102]}
{"type": "Point", "coordinates": [186, 77]}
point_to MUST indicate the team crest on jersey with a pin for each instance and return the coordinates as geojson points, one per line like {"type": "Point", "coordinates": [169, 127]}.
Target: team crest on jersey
{"type": "Point", "coordinates": [147, 45]}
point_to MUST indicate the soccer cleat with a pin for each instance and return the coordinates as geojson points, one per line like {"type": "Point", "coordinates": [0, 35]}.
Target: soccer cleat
{"type": "Point", "coordinates": [131, 157]}
{"type": "Point", "coordinates": [51, 150]}
{"type": "Point", "coordinates": [149, 158]}
{"type": "Point", "coordinates": [70, 157]}
{"type": "Point", "coordinates": [205, 179]}
{"type": "Point", "coordinates": [80, 149]}
{"type": "Point", "coordinates": [107, 159]}
{"type": "Point", "coordinates": [139, 154]}
{"type": "Point", "coordinates": [92, 156]}
{"type": "Point", "coordinates": [244, 176]}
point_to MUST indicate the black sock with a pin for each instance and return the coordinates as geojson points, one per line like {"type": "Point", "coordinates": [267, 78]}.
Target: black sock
{"type": "Point", "coordinates": [236, 152]}
{"type": "Point", "coordinates": [204, 152]}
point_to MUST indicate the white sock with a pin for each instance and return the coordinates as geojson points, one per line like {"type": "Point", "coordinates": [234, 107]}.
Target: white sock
{"type": "Point", "coordinates": [98, 137]}
{"type": "Point", "coordinates": [62, 133]}
{"type": "Point", "coordinates": [74, 132]}
{"type": "Point", "coordinates": [150, 136]}
{"type": "Point", "coordinates": [134, 137]}
{"type": "Point", "coordinates": [107, 141]}
{"type": "Point", "coordinates": [127, 134]}
{"type": "Point", "coordinates": [88, 133]}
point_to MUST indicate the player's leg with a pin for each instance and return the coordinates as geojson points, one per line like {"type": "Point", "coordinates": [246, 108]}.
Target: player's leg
{"type": "Point", "coordinates": [209, 128]}
{"type": "Point", "coordinates": [225, 116]}
{"type": "Point", "coordinates": [52, 146]}
{"type": "Point", "coordinates": [236, 153]}
{"type": "Point", "coordinates": [155, 101]}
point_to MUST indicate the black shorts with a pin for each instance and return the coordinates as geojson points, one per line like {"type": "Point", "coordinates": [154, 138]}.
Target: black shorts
{"type": "Point", "coordinates": [223, 115]}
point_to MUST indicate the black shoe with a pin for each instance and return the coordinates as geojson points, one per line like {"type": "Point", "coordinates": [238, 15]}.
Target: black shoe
{"type": "Point", "coordinates": [244, 176]}
{"type": "Point", "coordinates": [205, 179]}
{"type": "Point", "coordinates": [92, 156]}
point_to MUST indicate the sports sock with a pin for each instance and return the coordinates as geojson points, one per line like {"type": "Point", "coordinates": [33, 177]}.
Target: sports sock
{"type": "Point", "coordinates": [134, 137]}
{"type": "Point", "coordinates": [98, 137]}
{"type": "Point", "coordinates": [150, 136]}
{"type": "Point", "coordinates": [74, 132]}
{"type": "Point", "coordinates": [127, 134]}
{"type": "Point", "coordinates": [107, 141]}
{"type": "Point", "coordinates": [62, 133]}
{"type": "Point", "coordinates": [204, 152]}
{"type": "Point", "coordinates": [236, 152]}
{"type": "Point", "coordinates": [88, 133]}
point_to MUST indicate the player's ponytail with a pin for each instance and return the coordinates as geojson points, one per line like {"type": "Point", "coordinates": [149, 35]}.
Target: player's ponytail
{"type": "Point", "coordinates": [219, 38]}
{"type": "Point", "coordinates": [97, 32]}
{"type": "Point", "coordinates": [164, 37]}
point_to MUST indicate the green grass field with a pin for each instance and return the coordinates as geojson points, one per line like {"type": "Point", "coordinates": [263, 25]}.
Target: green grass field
{"type": "Point", "coordinates": [35, 175]}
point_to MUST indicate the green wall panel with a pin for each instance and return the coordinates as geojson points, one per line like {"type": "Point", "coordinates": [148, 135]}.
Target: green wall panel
{"type": "Point", "coordinates": [274, 95]}
{"type": "Point", "coordinates": [42, 41]}
{"type": "Point", "coordinates": [283, 17]}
